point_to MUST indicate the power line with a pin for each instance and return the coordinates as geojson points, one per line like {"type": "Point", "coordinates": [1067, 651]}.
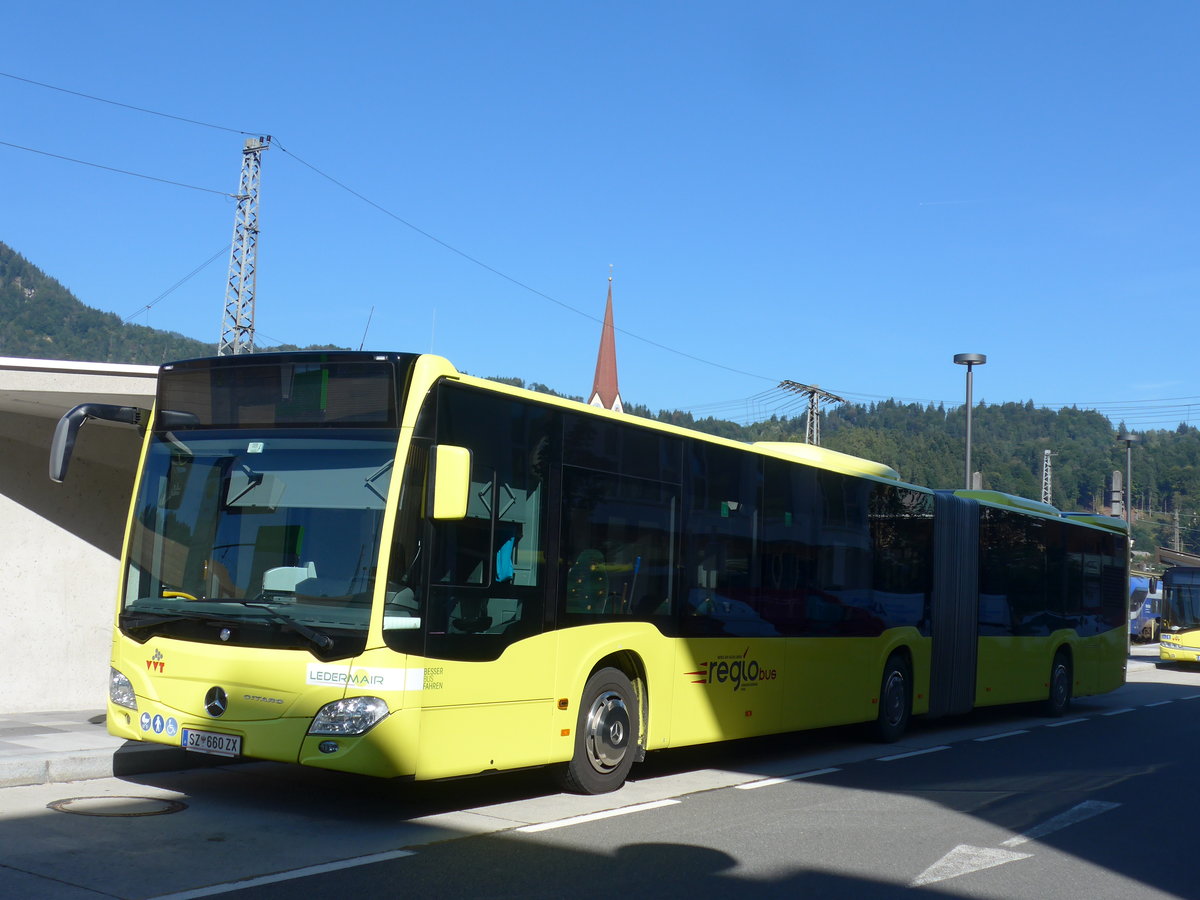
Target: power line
{"type": "Point", "coordinates": [385, 211]}
{"type": "Point", "coordinates": [1173, 406]}
{"type": "Point", "coordinates": [140, 109]}
{"type": "Point", "coordinates": [180, 282]}
{"type": "Point", "coordinates": [509, 278]}
{"type": "Point", "coordinates": [84, 162]}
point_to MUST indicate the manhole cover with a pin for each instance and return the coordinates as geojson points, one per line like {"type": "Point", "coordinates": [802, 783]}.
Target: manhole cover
{"type": "Point", "coordinates": [117, 806]}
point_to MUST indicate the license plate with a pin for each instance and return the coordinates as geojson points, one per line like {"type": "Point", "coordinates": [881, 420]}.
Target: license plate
{"type": "Point", "coordinates": [211, 742]}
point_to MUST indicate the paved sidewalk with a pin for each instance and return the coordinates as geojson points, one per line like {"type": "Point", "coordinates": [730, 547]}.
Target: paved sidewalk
{"type": "Point", "coordinates": [73, 745]}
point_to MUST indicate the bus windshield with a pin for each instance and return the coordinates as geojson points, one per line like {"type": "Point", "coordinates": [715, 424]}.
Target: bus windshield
{"type": "Point", "coordinates": [1181, 599]}
{"type": "Point", "coordinates": [259, 537]}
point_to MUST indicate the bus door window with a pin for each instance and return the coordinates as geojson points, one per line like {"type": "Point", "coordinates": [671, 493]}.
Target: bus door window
{"type": "Point", "coordinates": [722, 547]}
{"type": "Point", "coordinates": [483, 571]}
{"type": "Point", "coordinates": [1113, 582]}
{"type": "Point", "coordinates": [404, 602]}
{"type": "Point", "coordinates": [462, 559]}
{"type": "Point", "coordinates": [901, 522]}
{"type": "Point", "coordinates": [793, 601]}
{"type": "Point", "coordinates": [845, 553]}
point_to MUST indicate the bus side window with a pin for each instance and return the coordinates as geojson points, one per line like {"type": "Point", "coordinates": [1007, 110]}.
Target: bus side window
{"type": "Point", "coordinates": [618, 545]}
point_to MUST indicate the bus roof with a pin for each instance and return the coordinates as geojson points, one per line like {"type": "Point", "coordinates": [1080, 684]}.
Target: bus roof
{"type": "Point", "coordinates": [818, 457]}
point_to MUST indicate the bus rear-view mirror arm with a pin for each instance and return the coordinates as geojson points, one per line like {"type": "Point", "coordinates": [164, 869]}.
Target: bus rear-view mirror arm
{"type": "Point", "coordinates": [67, 429]}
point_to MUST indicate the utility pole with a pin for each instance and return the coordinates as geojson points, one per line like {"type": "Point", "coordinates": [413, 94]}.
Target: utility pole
{"type": "Point", "coordinates": [237, 324]}
{"type": "Point", "coordinates": [816, 396]}
{"type": "Point", "coordinates": [1047, 484]}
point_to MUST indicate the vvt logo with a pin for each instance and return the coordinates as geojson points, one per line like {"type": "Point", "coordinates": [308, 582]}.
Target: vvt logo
{"type": "Point", "coordinates": [156, 663]}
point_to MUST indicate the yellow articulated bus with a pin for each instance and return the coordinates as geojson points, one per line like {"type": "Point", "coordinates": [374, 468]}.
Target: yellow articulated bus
{"type": "Point", "coordinates": [373, 563]}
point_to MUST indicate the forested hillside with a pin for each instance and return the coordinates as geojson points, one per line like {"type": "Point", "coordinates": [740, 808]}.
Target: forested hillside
{"type": "Point", "coordinates": [40, 318]}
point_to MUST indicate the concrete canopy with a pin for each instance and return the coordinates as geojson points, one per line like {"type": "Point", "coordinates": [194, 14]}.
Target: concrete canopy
{"type": "Point", "coordinates": [47, 388]}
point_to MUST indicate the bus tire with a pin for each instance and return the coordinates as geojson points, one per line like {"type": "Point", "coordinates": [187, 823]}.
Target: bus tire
{"type": "Point", "coordinates": [895, 700]}
{"type": "Point", "coordinates": [606, 735]}
{"type": "Point", "coordinates": [1059, 699]}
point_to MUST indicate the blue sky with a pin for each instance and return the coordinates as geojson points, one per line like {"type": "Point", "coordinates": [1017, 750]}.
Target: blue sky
{"type": "Point", "coordinates": [837, 194]}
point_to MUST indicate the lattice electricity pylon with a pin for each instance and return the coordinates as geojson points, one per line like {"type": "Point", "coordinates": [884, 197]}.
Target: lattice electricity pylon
{"type": "Point", "coordinates": [816, 396]}
{"type": "Point", "coordinates": [237, 324]}
{"type": "Point", "coordinates": [1047, 484]}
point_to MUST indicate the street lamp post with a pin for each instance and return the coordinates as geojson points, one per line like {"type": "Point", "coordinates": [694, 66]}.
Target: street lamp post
{"type": "Point", "coordinates": [969, 360]}
{"type": "Point", "coordinates": [1129, 439]}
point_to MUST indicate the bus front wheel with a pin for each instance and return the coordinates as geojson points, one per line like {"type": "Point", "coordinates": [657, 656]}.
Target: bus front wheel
{"type": "Point", "coordinates": [606, 735]}
{"type": "Point", "coordinates": [895, 700]}
{"type": "Point", "coordinates": [1059, 700]}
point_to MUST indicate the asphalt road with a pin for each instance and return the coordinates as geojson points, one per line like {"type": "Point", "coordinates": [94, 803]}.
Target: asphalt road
{"type": "Point", "coordinates": [999, 804]}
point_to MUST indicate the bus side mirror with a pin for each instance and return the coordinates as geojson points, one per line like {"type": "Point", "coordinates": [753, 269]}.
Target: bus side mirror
{"type": "Point", "coordinates": [451, 481]}
{"type": "Point", "coordinates": [67, 429]}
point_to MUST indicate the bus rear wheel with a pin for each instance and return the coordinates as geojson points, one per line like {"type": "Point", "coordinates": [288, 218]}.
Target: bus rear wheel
{"type": "Point", "coordinates": [895, 700]}
{"type": "Point", "coordinates": [606, 735]}
{"type": "Point", "coordinates": [1059, 700]}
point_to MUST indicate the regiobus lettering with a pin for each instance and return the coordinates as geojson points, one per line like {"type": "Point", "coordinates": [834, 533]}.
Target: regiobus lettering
{"type": "Point", "coordinates": [735, 670]}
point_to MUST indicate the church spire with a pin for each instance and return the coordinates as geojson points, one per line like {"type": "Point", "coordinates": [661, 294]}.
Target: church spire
{"type": "Point", "coordinates": [605, 392]}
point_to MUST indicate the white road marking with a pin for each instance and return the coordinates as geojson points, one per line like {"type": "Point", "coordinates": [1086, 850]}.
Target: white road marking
{"type": "Point", "coordinates": [1075, 814]}
{"type": "Point", "coordinates": [1159, 703]}
{"type": "Point", "coordinates": [767, 782]}
{"type": "Point", "coordinates": [1117, 712]}
{"type": "Point", "coordinates": [996, 737]}
{"type": "Point", "coordinates": [963, 860]}
{"type": "Point", "coordinates": [913, 753]}
{"type": "Point", "coordinates": [229, 886]}
{"type": "Point", "coordinates": [1063, 722]}
{"type": "Point", "coordinates": [595, 817]}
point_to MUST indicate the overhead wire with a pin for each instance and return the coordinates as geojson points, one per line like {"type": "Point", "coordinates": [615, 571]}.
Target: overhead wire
{"type": "Point", "coordinates": [509, 278]}
{"type": "Point", "coordinates": [180, 282]}
{"type": "Point", "coordinates": [84, 162]}
{"type": "Point", "coordinates": [140, 109]}
{"type": "Point", "coordinates": [790, 404]}
{"type": "Point", "coordinates": [445, 244]}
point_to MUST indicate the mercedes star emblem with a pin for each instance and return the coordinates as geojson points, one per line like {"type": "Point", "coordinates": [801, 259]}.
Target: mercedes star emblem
{"type": "Point", "coordinates": [216, 702]}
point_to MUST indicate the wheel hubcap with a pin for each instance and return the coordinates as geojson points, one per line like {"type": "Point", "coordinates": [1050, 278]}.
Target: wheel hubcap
{"type": "Point", "coordinates": [894, 696]}
{"type": "Point", "coordinates": [607, 732]}
{"type": "Point", "coordinates": [1060, 684]}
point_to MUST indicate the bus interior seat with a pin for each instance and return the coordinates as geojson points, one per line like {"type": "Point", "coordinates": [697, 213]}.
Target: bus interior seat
{"type": "Point", "coordinates": [285, 578]}
{"type": "Point", "coordinates": [587, 583]}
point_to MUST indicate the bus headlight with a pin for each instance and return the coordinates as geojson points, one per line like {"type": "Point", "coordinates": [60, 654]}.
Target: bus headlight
{"type": "Point", "coordinates": [350, 716]}
{"type": "Point", "coordinates": [120, 691]}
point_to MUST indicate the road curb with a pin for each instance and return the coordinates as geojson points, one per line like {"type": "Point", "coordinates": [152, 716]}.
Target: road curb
{"type": "Point", "coordinates": [128, 759]}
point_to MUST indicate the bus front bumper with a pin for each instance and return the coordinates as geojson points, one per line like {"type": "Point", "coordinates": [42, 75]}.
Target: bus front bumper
{"type": "Point", "coordinates": [1175, 651]}
{"type": "Point", "coordinates": [388, 750]}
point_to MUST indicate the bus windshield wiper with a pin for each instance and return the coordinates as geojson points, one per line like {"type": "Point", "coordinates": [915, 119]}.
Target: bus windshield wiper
{"type": "Point", "coordinates": [138, 620]}
{"type": "Point", "coordinates": [319, 640]}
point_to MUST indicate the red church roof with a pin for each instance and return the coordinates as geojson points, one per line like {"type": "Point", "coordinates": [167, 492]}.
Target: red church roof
{"type": "Point", "coordinates": [605, 392]}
